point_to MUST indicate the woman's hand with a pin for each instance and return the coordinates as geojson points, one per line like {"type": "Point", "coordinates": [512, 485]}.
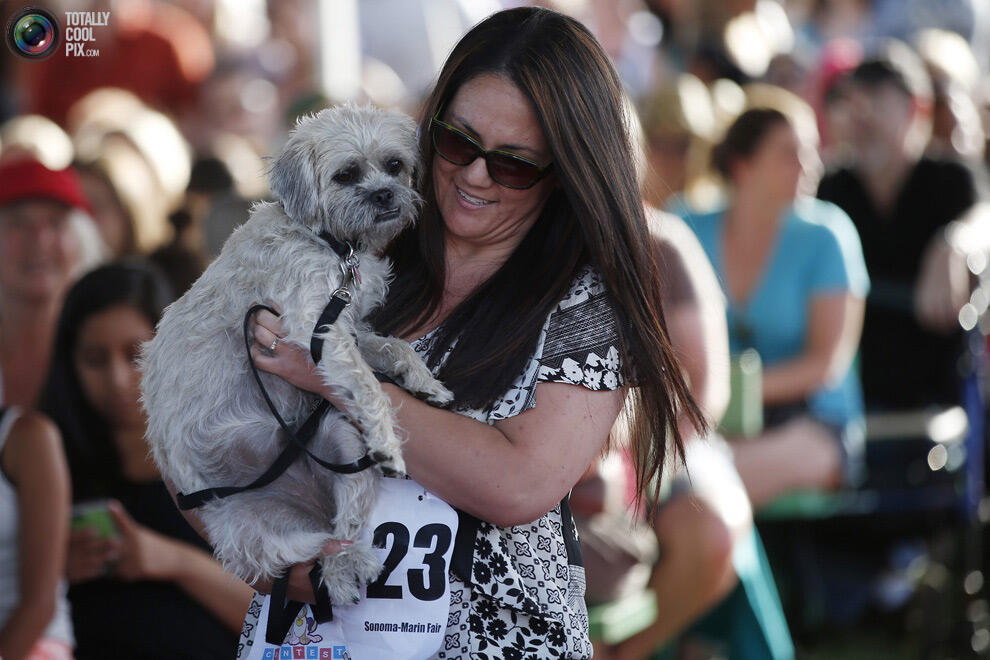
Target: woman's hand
{"type": "Point", "coordinates": [89, 556]}
{"type": "Point", "coordinates": [300, 589]}
{"type": "Point", "coordinates": [144, 554]}
{"type": "Point", "coordinates": [289, 362]}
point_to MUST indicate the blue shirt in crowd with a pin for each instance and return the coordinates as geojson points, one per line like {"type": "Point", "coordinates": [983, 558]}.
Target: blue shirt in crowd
{"type": "Point", "coordinates": [817, 253]}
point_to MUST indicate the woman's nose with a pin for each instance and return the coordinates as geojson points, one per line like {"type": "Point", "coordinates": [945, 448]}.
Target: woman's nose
{"type": "Point", "coordinates": [476, 173]}
{"type": "Point", "coordinates": [45, 233]}
{"type": "Point", "coordinates": [121, 374]}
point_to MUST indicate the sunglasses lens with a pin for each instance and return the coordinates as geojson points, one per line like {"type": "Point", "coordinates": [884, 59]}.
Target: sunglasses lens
{"type": "Point", "coordinates": [512, 172]}
{"type": "Point", "coordinates": [453, 146]}
{"type": "Point", "coordinates": [504, 169]}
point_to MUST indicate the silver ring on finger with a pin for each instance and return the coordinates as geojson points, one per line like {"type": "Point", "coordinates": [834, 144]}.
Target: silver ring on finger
{"type": "Point", "coordinates": [271, 349]}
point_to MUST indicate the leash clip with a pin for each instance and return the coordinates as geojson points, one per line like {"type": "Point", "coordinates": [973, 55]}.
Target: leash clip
{"type": "Point", "coordinates": [344, 294]}
{"type": "Point", "coordinates": [349, 265]}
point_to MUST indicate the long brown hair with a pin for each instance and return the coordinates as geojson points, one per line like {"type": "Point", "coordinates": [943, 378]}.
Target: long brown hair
{"type": "Point", "coordinates": [595, 217]}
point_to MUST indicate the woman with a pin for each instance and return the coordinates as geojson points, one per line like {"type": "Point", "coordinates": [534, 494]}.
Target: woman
{"type": "Point", "coordinates": [34, 529]}
{"type": "Point", "coordinates": [528, 272]}
{"type": "Point", "coordinates": [101, 181]}
{"type": "Point", "coordinates": [795, 281]}
{"type": "Point", "coordinates": [679, 129]}
{"type": "Point", "coordinates": [46, 241]}
{"type": "Point", "coordinates": [130, 594]}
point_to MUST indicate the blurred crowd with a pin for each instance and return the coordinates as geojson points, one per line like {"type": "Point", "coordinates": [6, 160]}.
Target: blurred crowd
{"type": "Point", "coordinates": [815, 175]}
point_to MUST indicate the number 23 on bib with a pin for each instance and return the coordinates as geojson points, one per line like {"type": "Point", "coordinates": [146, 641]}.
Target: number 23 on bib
{"type": "Point", "coordinates": [404, 612]}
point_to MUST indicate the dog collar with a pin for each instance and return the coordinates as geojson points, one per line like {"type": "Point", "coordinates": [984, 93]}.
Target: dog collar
{"type": "Point", "coordinates": [342, 248]}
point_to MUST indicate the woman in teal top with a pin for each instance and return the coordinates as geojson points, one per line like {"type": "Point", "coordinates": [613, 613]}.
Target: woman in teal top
{"type": "Point", "coordinates": [793, 272]}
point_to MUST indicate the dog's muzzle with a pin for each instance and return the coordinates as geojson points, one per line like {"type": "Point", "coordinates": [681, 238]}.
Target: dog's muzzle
{"type": "Point", "coordinates": [390, 214]}
{"type": "Point", "coordinates": [384, 198]}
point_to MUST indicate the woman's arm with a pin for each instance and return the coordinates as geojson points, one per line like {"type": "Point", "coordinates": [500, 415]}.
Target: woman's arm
{"type": "Point", "coordinates": [694, 307]}
{"type": "Point", "coordinates": [35, 464]}
{"type": "Point", "coordinates": [198, 574]}
{"type": "Point", "coordinates": [227, 597]}
{"type": "Point", "coordinates": [835, 321]}
{"type": "Point", "coordinates": [148, 555]}
{"type": "Point", "coordinates": [517, 470]}
{"type": "Point", "coordinates": [507, 474]}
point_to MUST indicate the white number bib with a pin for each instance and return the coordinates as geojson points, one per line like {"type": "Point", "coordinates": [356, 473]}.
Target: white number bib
{"type": "Point", "coordinates": [404, 612]}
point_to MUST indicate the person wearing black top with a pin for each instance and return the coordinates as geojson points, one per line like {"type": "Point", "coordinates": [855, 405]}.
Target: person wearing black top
{"type": "Point", "coordinates": [154, 591]}
{"type": "Point", "coordinates": [910, 211]}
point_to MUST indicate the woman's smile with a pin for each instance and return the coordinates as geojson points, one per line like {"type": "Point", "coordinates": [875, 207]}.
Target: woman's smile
{"type": "Point", "coordinates": [495, 112]}
{"type": "Point", "coordinates": [471, 202]}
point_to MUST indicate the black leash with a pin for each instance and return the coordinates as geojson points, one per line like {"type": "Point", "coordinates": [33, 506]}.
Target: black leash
{"type": "Point", "coordinates": [281, 613]}
{"type": "Point", "coordinates": [298, 440]}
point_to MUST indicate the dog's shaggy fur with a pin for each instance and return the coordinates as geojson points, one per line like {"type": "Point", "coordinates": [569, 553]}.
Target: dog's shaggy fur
{"type": "Point", "coordinates": [345, 171]}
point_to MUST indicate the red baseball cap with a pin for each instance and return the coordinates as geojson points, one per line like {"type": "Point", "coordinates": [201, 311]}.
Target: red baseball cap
{"type": "Point", "coordinates": [26, 178]}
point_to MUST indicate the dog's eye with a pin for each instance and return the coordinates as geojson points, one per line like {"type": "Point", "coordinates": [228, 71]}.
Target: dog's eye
{"type": "Point", "coordinates": [393, 166]}
{"type": "Point", "coordinates": [346, 176]}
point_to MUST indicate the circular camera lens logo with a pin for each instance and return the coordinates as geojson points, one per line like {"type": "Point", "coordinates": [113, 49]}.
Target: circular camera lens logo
{"type": "Point", "coordinates": [33, 33]}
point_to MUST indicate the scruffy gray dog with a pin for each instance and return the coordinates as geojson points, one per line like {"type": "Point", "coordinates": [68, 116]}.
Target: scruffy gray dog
{"type": "Point", "coordinates": [346, 171]}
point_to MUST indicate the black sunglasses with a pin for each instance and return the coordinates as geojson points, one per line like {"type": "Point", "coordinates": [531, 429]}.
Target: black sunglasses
{"type": "Point", "coordinates": [505, 168]}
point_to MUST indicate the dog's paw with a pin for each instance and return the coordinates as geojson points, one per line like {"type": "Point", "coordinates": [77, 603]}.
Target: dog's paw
{"type": "Point", "coordinates": [437, 394]}
{"type": "Point", "coordinates": [390, 464]}
{"type": "Point", "coordinates": [417, 379]}
{"type": "Point", "coordinates": [346, 573]}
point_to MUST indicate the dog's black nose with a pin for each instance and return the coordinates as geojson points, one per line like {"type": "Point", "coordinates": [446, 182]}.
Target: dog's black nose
{"type": "Point", "coordinates": [382, 197]}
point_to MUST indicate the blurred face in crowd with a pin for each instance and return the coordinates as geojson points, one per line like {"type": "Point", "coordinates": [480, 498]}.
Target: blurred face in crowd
{"type": "Point", "coordinates": [668, 157]}
{"type": "Point", "coordinates": [879, 119]}
{"type": "Point", "coordinates": [774, 168]}
{"type": "Point", "coordinates": [105, 357]}
{"type": "Point", "coordinates": [837, 118]}
{"type": "Point", "coordinates": [38, 249]}
{"type": "Point", "coordinates": [108, 213]}
{"type": "Point", "coordinates": [493, 111]}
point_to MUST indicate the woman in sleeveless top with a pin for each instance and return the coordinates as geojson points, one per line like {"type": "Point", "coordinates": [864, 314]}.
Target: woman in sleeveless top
{"type": "Point", "coordinates": [34, 517]}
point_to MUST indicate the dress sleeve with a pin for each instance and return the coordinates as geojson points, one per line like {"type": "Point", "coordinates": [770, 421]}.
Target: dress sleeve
{"type": "Point", "coordinates": [838, 260]}
{"type": "Point", "coordinates": [579, 344]}
{"type": "Point", "coordinates": [582, 340]}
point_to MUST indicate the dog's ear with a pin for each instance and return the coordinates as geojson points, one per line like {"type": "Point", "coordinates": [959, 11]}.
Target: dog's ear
{"type": "Point", "coordinates": [292, 178]}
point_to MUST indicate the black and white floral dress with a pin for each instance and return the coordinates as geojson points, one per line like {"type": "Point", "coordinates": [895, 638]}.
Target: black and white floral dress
{"type": "Point", "coordinates": [518, 592]}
